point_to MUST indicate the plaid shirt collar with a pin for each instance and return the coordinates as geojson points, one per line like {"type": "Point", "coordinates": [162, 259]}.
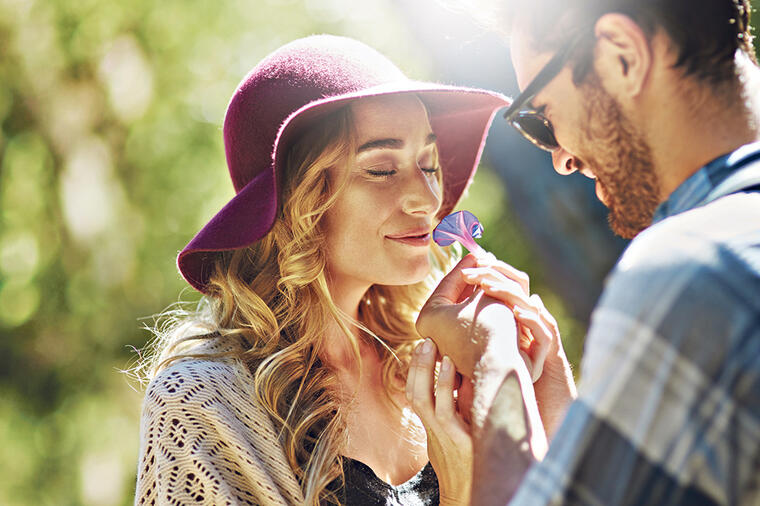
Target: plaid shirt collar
{"type": "Point", "coordinates": [699, 188]}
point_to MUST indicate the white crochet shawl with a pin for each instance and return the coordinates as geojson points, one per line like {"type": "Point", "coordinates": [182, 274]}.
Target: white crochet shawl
{"type": "Point", "coordinates": [203, 439]}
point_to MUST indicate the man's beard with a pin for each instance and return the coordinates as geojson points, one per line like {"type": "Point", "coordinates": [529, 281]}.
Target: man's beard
{"type": "Point", "coordinates": [621, 160]}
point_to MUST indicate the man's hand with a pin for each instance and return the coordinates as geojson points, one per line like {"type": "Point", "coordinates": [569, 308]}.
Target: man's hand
{"type": "Point", "coordinates": [539, 336]}
{"type": "Point", "coordinates": [453, 317]}
{"type": "Point", "coordinates": [448, 318]}
{"type": "Point", "coordinates": [479, 334]}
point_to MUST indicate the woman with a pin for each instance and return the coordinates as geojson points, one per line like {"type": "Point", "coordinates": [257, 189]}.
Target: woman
{"type": "Point", "coordinates": [286, 386]}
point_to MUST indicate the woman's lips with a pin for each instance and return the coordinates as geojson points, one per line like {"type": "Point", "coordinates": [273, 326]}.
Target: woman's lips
{"type": "Point", "coordinates": [418, 240]}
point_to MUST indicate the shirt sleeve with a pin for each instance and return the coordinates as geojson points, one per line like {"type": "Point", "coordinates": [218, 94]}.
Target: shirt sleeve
{"type": "Point", "coordinates": [669, 402]}
{"type": "Point", "coordinates": [204, 442]}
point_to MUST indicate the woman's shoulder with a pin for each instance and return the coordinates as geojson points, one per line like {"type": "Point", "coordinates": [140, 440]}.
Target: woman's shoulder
{"type": "Point", "coordinates": [209, 376]}
{"type": "Point", "coordinates": [209, 395]}
{"type": "Point", "coordinates": [202, 429]}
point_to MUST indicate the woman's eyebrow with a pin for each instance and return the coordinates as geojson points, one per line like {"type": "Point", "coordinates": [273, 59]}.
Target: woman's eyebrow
{"type": "Point", "coordinates": [381, 144]}
{"type": "Point", "coordinates": [390, 143]}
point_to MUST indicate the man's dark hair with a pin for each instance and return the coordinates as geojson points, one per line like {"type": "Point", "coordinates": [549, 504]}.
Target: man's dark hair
{"type": "Point", "coordinates": [706, 33]}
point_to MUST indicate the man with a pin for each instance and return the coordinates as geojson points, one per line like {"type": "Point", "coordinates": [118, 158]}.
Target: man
{"type": "Point", "coordinates": [659, 102]}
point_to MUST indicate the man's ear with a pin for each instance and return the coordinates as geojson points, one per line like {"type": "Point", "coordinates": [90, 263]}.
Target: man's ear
{"type": "Point", "coordinates": [623, 56]}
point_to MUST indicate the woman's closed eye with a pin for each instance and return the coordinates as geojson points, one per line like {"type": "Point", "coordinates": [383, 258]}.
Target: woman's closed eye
{"type": "Point", "coordinates": [381, 172]}
{"type": "Point", "coordinates": [386, 171]}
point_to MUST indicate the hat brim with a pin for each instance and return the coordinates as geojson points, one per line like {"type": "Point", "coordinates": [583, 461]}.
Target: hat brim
{"type": "Point", "coordinates": [459, 116]}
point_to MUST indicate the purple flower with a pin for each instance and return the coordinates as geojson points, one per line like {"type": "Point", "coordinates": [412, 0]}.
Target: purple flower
{"type": "Point", "coordinates": [462, 226]}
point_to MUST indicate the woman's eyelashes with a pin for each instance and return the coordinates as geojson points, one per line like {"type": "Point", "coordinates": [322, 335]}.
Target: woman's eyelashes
{"type": "Point", "coordinates": [390, 171]}
{"type": "Point", "coordinates": [381, 172]}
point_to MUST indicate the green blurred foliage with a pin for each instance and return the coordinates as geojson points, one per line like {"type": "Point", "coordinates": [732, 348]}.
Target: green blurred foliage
{"type": "Point", "coordinates": [110, 159]}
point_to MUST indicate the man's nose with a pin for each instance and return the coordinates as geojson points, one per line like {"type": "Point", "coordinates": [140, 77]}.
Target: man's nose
{"type": "Point", "coordinates": [564, 163]}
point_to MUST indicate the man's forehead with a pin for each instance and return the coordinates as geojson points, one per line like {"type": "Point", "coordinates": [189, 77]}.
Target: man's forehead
{"type": "Point", "coordinates": [527, 61]}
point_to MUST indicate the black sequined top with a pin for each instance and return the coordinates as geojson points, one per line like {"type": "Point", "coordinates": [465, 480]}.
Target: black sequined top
{"type": "Point", "coordinates": [364, 488]}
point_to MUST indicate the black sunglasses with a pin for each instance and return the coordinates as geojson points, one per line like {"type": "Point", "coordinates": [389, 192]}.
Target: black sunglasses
{"type": "Point", "coordinates": [532, 124]}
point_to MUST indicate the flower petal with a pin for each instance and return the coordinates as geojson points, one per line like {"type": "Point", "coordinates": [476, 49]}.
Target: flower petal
{"type": "Point", "coordinates": [462, 226]}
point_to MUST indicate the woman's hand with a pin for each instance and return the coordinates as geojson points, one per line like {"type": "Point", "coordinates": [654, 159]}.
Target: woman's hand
{"type": "Point", "coordinates": [540, 342]}
{"type": "Point", "coordinates": [449, 443]}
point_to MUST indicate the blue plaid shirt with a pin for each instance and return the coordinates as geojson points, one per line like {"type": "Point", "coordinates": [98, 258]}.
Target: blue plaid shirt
{"type": "Point", "coordinates": [669, 401]}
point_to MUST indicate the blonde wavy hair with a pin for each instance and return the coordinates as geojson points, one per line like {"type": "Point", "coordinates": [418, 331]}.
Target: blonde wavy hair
{"type": "Point", "coordinates": [274, 297]}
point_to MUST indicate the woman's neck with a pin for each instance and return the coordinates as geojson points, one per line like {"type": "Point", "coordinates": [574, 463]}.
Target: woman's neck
{"type": "Point", "coordinates": [338, 348]}
{"type": "Point", "coordinates": [380, 435]}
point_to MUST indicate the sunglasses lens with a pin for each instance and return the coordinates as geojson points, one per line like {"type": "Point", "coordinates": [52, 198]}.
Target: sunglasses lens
{"type": "Point", "coordinates": [536, 129]}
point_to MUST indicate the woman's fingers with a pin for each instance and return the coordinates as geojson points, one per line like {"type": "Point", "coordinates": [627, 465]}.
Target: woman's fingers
{"type": "Point", "coordinates": [440, 410]}
{"type": "Point", "coordinates": [419, 384]}
{"type": "Point", "coordinates": [444, 390]}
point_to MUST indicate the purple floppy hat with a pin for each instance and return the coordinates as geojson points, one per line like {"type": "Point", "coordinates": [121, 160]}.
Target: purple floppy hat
{"type": "Point", "coordinates": [298, 82]}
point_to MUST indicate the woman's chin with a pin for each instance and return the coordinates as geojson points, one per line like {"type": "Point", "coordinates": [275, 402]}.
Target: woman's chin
{"type": "Point", "coordinates": [411, 274]}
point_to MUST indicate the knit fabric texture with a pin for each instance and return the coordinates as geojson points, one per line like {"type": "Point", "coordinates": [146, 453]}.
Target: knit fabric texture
{"type": "Point", "coordinates": [204, 439]}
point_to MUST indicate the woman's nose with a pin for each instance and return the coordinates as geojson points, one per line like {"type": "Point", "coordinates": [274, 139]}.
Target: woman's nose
{"type": "Point", "coordinates": [422, 194]}
{"type": "Point", "coordinates": [564, 162]}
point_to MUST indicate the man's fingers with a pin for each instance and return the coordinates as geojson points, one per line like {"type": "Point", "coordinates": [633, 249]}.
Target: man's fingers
{"type": "Point", "coordinates": [529, 364]}
{"type": "Point", "coordinates": [499, 287]}
{"type": "Point", "coordinates": [501, 281]}
{"type": "Point", "coordinates": [546, 316]}
{"type": "Point", "coordinates": [450, 289]}
{"type": "Point", "coordinates": [542, 336]}
{"type": "Point", "coordinates": [516, 275]}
